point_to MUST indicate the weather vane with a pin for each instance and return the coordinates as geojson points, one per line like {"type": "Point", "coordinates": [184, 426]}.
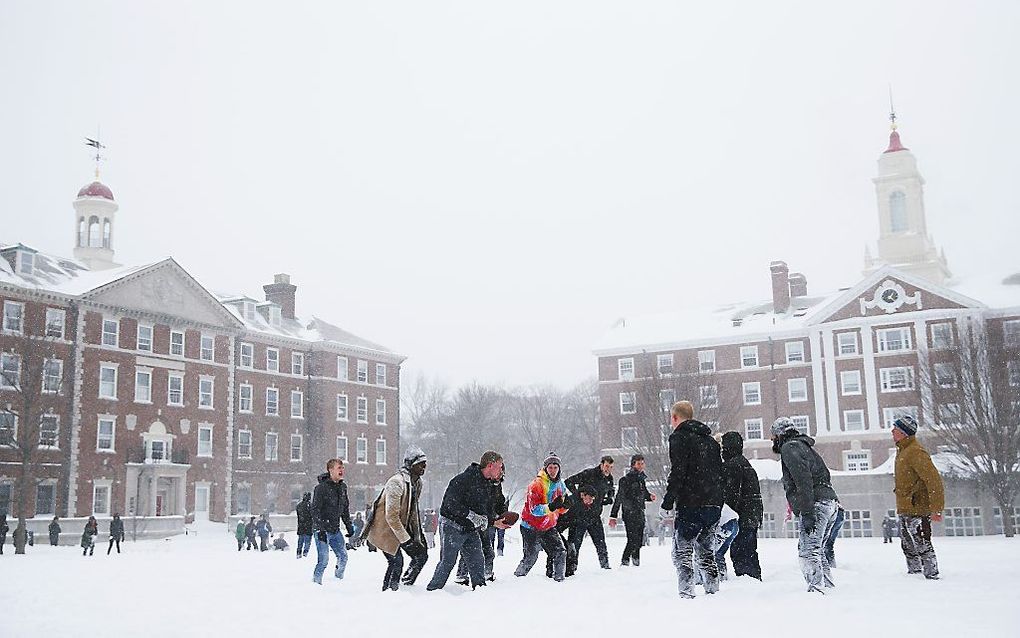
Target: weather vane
{"type": "Point", "coordinates": [98, 157]}
{"type": "Point", "coordinates": [892, 110]}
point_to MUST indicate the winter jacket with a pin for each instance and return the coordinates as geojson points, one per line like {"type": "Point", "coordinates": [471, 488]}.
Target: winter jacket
{"type": "Point", "coordinates": [741, 490]}
{"type": "Point", "coordinates": [579, 514]}
{"type": "Point", "coordinates": [330, 505]}
{"type": "Point", "coordinates": [632, 496]}
{"type": "Point", "coordinates": [468, 493]}
{"type": "Point", "coordinates": [498, 504]}
{"type": "Point", "coordinates": [918, 484]}
{"type": "Point", "coordinates": [695, 472]}
{"type": "Point", "coordinates": [394, 518]}
{"type": "Point", "coordinates": [117, 528]}
{"type": "Point", "coordinates": [239, 532]}
{"type": "Point", "coordinates": [805, 476]}
{"type": "Point", "coordinates": [249, 530]}
{"type": "Point", "coordinates": [54, 528]}
{"type": "Point", "coordinates": [263, 528]}
{"type": "Point", "coordinates": [542, 490]}
{"type": "Point", "coordinates": [595, 479]}
{"type": "Point", "coordinates": [91, 530]}
{"type": "Point", "coordinates": [304, 517]}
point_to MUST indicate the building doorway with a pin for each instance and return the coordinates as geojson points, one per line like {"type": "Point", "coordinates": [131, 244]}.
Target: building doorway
{"type": "Point", "coordinates": [201, 502]}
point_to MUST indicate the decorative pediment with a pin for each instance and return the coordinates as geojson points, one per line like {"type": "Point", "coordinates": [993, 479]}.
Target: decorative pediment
{"type": "Point", "coordinates": [889, 297]}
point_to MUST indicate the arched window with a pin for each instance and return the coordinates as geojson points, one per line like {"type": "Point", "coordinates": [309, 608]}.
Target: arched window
{"type": "Point", "coordinates": [95, 233]}
{"type": "Point", "coordinates": [82, 235]}
{"type": "Point", "coordinates": [106, 233]}
{"type": "Point", "coordinates": [898, 212]}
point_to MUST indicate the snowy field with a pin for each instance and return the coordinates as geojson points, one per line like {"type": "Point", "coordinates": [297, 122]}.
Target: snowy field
{"type": "Point", "coordinates": [200, 585]}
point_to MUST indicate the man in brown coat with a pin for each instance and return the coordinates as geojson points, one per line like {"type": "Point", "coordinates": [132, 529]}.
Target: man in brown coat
{"type": "Point", "coordinates": [395, 522]}
{"type": "Point", "coordinates": [919, 499]}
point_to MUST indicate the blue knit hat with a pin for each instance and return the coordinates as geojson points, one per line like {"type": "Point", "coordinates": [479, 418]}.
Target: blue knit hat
{"type": "Point", "coordinates": [906, 424]}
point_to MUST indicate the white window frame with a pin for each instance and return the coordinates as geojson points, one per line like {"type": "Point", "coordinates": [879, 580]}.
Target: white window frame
{"type": "Point", "coordinates": [48, 386]}
{"type": "Point", "coordinates": [13, 430]}
{"type": "Point", "coordinates": [380, 452]}
{"type": "Point", "coordinates": [297, 400]}
{"type": "Point", "coordinates": [889, 382]}
{"type": "Point", "coordinates": [272, 362]}
{"type": "Point", "coordinates": [939, 370]}
{"type": "Point", "coordinates": [14, 322]}
{"type": "Point", "coordinates": [802, 422]}
{"type": "Point", "coordinates": [629, 438]}
{"type": "Point", "coordinates": [795, 352]}
{"type": "Point", "coordinates": [115, 368]}
{"type": "Point", "coordinates": [664, 363]}
{"type": "Point", "coordinates": [145, 396]}
{"type": "Point", "coordinates": [343, 372]}
{"type": "Point", "coordinates": [110, 336]}
{"type": "Point", "coordinates": [273, 406]}
{"type": "Point", "coordinates": [889, 415]}
{"type": "Point", "coordinates": [625, 369]}
{"type": "Point", "coordinates": [380, 374]}
{"type": "Point", "coordinates": [51, 485]}
{"type": "Point", "coordinates": [51, 314]}
{"type": "Point", "coordinates": [177, 349]}
{"type": "Point", "coordinates": [709, 396]}
{"type": "Point", "coordinates": [706, 361]}
{"type": "Point", "coordinates": [297, 364]}
{"type": "Point", "coordinates": [202, 404]}
{"type": "Point", "coordinates": [55, 419]}
{"type": "Point", "coordinates": [802, 391]}
{"type": "Point", "coordinates": [751, 387]}
{"type": "Point", "coordinates": [205, 454]}
{"type": "Point", "coordinates": [143, 342]}
{"type": "Point", "coordinates": [246, 355]}
{"type": "Point", "coordinates": [342, 408]}
{"type": "Point", "coordinates": [754, 429]}
{"type": "Point", "coordinates": [904, 338]}
{"type": "Point", "coordinates": [112, 438]}
{"type": "Point", "coordinates": [99, 486]}
{"type": "Point", "coordinates": [245, 393]}
{"type": "Point", "coordinates": [942, 341]}
{"type": "Point", "coordinates": [361, 451]}
{"type": "Point", "coordinates": [342, 451]}
{"type": "Point", "coordinates": [6, 380]}
{"type": "Point", "coordinates": [25, 262]}
{"type": "Point", "coordinates": [204, 341]}
{"type": "Point", "coordinates": [362, 371]}
{"type": "Point", "coordinates": [857, 460]}
{"type": "Point", "coordinates": [667, 398]}
{"type": "Point", "coordinates": [847, 347]}
{"type": "Point", "coordinates": [628, 398]}
{"type": "Point", "coordinates": [361, 406]}
{"type": "Point", "coordinates": [847, 380]}
{"type": "Point", "coordinates": [169, 389]}
{"type": "Point", "coordinates": [747, 353]}
{"type": "Point", "coordinates": [856, 413]}
{"type": "Point", "coordinates": [380, 403]}
{"type": "Point", "coordinates": [241, 445]}
{"type": "Point", "coordinates": [272, 446]}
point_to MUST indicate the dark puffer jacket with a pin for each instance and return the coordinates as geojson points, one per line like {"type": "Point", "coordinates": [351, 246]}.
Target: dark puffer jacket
{"type": "Point", "coordinates": [594, 478]}
{"type": "Point", "coordinates": [579, 514]}
{"type": "Point", "coordinates": [695, 472]}
{"type": "Point", "coordinates": [633, 494]}
{"type": "Point", "coordinates": [304, 517]}
{"type": "Point", "coordinates": [467, 492]}
{"type": "Point", "coordinates": [330, 505]}
{"type": "Point", "coordinates": [805, 477]}
{"type": "Point", "coordinates": [742, 492]}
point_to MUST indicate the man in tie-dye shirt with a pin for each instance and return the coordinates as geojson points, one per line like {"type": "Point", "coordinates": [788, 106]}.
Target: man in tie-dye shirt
{"type": "Point", "coordinates": [543, 504]}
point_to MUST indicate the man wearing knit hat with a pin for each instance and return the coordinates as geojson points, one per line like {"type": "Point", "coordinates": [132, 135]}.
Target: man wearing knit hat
{"type": "Point", "coordinates": [919, 498]}
{"type": "Point", "coordinates": [544, 503]}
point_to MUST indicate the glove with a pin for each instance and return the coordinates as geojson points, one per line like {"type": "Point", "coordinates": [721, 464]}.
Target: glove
{"type": "Point", "coordinates": [413, 548]}
{"type": "Point", "coordinates": [321, 535]}
{"type": "Point", "coordinates": [556, 503]}
{"type": "Point", "coordinates": [477, 521]}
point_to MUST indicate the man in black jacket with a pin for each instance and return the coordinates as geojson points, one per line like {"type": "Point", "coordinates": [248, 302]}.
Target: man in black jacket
{"type": "Point", "coordinates": [599, 479]}
{"type": "Point", "coordinates": [304, 525]}
{"type": "Point", "coordinates": [631, 498]}
{"type": "Point", "coordinates": [330, 506]}
{"type": "Point", "coordinates": [810, 494]}
{"type": "Point", "coordinates": [465, 511]}
{"type": "Point", "coordinates": [742, 493]}
{"type": "Point", "coordinates": [498, 506]}
{"type": "Point", "coordinates": [695, 487]}
{"type": "Point", "coordinates": [583, 515]}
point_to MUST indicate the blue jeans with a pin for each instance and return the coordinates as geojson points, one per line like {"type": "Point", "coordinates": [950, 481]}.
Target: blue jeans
{"type": "Point", "coordinates": [814, 564]}
{"type": "Point", "coordinates": [304, 541]}
{"type": "Point", "coordinates": [694, 533]}
{"type": "Point", "coordinates": [455, 540]}
{"type": "Point", "coordinates": [728, 531]}
{"type": "Point", "coordinates": [830, 542]}
{"type": "Point", "coordinates": [339, 546]}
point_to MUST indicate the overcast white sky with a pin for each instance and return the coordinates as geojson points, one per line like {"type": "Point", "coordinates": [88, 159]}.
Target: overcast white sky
{"type": "Point", "coordinates": [486, 187]}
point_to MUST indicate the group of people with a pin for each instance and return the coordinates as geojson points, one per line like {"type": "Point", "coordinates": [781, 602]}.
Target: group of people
{"type": "Point", "coordinates": [255, 534]}
{"type": "Point", "coordinates": [88, 535]}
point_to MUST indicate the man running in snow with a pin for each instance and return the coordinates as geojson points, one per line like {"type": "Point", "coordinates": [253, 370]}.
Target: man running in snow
{"type": "Point", "coordinates": [919, 498]}
{"type": "Point", "coordinates": [632, 496]}
{"type": "Point", "coordinates": [600, 479]}
{"type": "Point", "coordinates": [330, 506]}
{"type": "Point", "coordinates": [810, 495]}
{"type": "Point", "coordinates": [742, 492]}
{"type": "Point", "coordinates": [544, 503]}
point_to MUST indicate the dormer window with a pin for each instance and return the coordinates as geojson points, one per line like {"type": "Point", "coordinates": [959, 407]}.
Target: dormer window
{"type": "Point", "coordinates": [26, 262]}
{"type": "Point", "coordinates": [275, 317]}
{"type": "Point", "coordinates": [248, 309]}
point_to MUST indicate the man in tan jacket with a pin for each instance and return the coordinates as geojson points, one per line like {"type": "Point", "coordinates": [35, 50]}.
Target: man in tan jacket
{"type": "Point", "coordinates": [919, 498]}
{"type": "Point", "coordinates": [395, 522]}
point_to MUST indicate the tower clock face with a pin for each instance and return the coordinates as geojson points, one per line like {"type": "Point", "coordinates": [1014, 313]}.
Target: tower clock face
{"type": "Point", "coordinates": [889, 295]}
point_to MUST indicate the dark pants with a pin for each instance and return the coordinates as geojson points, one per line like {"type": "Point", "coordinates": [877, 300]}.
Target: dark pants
{"type": "Point", "coordinates": [598, 538]}
{"type": "Point", "coordinates": [251, 543]}
{"type": "Point", "coordinates": [454, 540]}
{"type": "Point", "coordinates": [694, 533]}
{"type": "Point", "coordinates": [830, 541]}
{"type": "Point", "coordinates": [634, 523]}
{"type": "Point", "coordinates": [240, 544]}
{"type": "Point", "coordinates": [265, 543]}
{"type": "Point", "coordinates": [394, 565]}
{"type": "Point", "coordinates": [744, 552]}
{"type": "Point", "coordinates": [571, 564]}
{"type": "Point", "coordinates": [304, 543]}
{"type": "Point", "coordinates": [500, 533]}
{"type": "Point", "coordinates": [112, 541]}
{"type": "Point", "coordinates": [550, 541]}
{"type": "Point", "coordinates": [54, 539]}
{"type": "Point", "coordinates": [915, 540]}
{"type": "Point", "coordinates": [488, 538]}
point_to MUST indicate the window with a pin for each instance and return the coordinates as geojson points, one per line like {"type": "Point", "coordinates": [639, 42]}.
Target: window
{"type": "Point", "coordinates": [244, 398]}
{"type": "Point", "coordinates": [749, 356]}
{"type": "Point", "coordinates": [8, 429]}
{"type": "Point", "coordinates": [753, 429]}
{"type": "Point", "coordinates": [275, 315]}
{"type": "Point", "coordinates": [664, 362]}
{"type": "Point", "coordinates": [856, 524]}
{"type": "Point", "coordinates": [850, 381]}
{"type": "Point", "coordinates": [177, 343]}
{"type": "Point", "coordinates": [297, 404]}
{"type": "Point", "coordinates": [897, 379]}
{"type": "Point", "coordinates": [768, 526]}
{"type": "Point", "coordinates": [248, 310]}
{"type": "Point", "coordinates": [105, 433]}
{"type": "Point", "coordinates": [243, 498]}
{"type": "Point", "coordinates": [205, 393]}
{"type": "Point", "coordinates": [628, 403]}
{"type": "Point", "coordinates": [380, 374]}
{"type": "Point", "coordinates": [666, 399]}
{"type": "Point", "coordinates": [14, 316]}
{"type": "Point", "coordinates": [207, 349]}
{"type": "Point", "coordinates": [107, 381]}
{"type": "Point", "coordinates": [853, 420]}
{"type": "Point", "coordinates": [894, 340]}
{"type": "Point", "coordinates": [175, 389]}
{"type": "Point", "coordinates": [55, 320]}
{"type": "Point", "coordinates": [362, 408]}
{"type": "Point", "coordinates": [272, 446]}
{"type": "Point", "coordinates": [856, 460]}
{"type": "Point", "coordinates": [10, 370]}
{"type": "Point", "coordinates": [341, 407]}
{"type": "Point", "coordinates": [341, 368]}
{"type": "Point", "coordinates": [898, 212]}
{"type": "Point", "coordinates": [1011, 332]}
{"type": "Point", "coordinates": [26, 262]}
{"type": "Point", "coordinates": [159, 450]}
{"type": "Point", "coordinates": [101, 500]}
{"type": "Point", "coordinates": [889, 415]}
{"type": "Point", "coordinates": [1013, 371]}
{"type": "Point", "coordinates": [362, 371]}
{"type": "Point", "coordinates": [752, 393]}
{"type": "Point", "coordinates": [709, 396]}
{"type": "Point", "coordinates": [949, 414]}
{"type": "Point", "coordinates": [847, 342]}
{"type": "Point", "coordinates": [380, 411]}
{"type": "Point", "coordinates": [1014, 515]}
{"type": "Point", "coordinates": [797, 389]}
{"type": "Point", "coordinates": [45, 500]}
{"type": "Point", "coordinates": [625, 369]}
{"type": "Point", "coordinates": [341, 448]}
{"type": "Point", "coordinates": [380, 451]}
{"type": "Point", "coordinates": [111, 330]}
{"type": "Point", "coordinates": [49, 431]}
{"type": "Point", "coordinates": [272, 401]}
{"type": "Point", "coordinates": [802, 423]}
{"type": "Point", "coordinates": [297, 363]}
{"type": "Point", "coordinates": [794, 351]}
{"type": "Point", "coordinates": [244, 444]}
{"type": "Point", "coordinates": [247, 355]}
{"type": "Point", "coordinates": [942, 336]}
{"type": "Point", "coordinates": [629, 438]}
{"type": "Point", "coordinates": [361, 451]}
{"type": "Point", "coordinates": [205, 441]}
{"type": "Point", "coordinates": [963, 521]}
{"type": "Point", "coordinates": [144, 338]}
{"type": "Point", "coordinates": [706, 360]}
{"type": "Point", "coordinates": [53, 374]}
{"type": "Point", "coordinates": [272, 359]}
{"type": "Point", "coordinates": [143, 385]}
{"type": "Point", "coordinates": [945, 375]}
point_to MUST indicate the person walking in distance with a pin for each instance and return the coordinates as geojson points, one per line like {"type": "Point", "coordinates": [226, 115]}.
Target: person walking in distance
{"type": "Point", "coordinates": [250, 536]}
{"type": "Point", "coordinates": [240, 534]}
{"type": "Point", "coordinates": [810, 495]}
{"type": "Point", "coordinates": [887, 529]}
{"type": "Point", "coordinates": [88, 536]}
{"type": "Point", "coordinates": [631, 499]}
{"type": "Point", "coordinates": [264, 529]}
{"type": "Point", "coordinates": [54, 531]}
{"type": "Point", "coordinates": [742, 492]}
{"type": "Point", "coordinates": [331, 506]}
{"type": "Point", "coordinates": [544, 502]}
{"type": "Point", "coordinates": [920, 498]}
{"type": "Point", "coordinates": [431, 525]}
{"type": "Point", "coordinates": [600, 479]}
{"type": "Point", "coordinates": [116, 533]}
{"type": "Point", "coordinates": [305, 525]}
{"type": "Point", "coordinates": [695, 487]}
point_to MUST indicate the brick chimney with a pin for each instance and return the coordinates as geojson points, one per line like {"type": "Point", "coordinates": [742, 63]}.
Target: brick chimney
{"type": "Point", "coordinates": [281, 292]}
{"type": "Point", "coordinates": [780, 286]}
{"type": "Point", "coordinates": [798, 285]}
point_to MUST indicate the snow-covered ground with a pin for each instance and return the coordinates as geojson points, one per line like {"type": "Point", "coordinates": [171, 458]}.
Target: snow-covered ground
{"type": "Point", "coordinates": [199, 585]}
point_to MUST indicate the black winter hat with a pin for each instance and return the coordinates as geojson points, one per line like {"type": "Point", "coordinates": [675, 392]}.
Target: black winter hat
{"type": "Point", "coordinates": [733, 441]}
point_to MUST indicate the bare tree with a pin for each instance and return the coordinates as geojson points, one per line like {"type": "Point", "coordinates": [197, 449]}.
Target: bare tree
{"type": "Point", "coordinates": [971, 393]}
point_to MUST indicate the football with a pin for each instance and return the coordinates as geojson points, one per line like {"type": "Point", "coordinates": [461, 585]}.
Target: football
{"type": "Point", "coordinates": [510, 518]}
